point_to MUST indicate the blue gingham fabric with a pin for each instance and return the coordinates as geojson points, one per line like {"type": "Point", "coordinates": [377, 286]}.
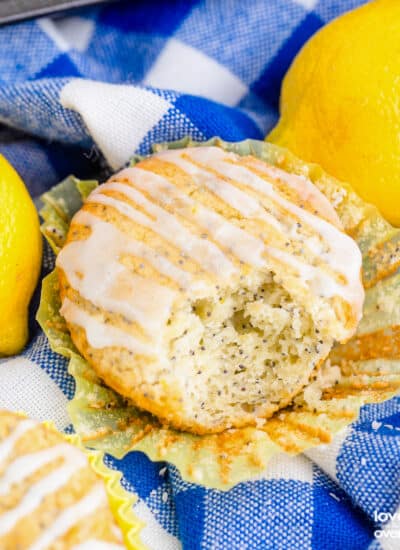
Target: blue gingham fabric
{"type": "Point", "coordinates": [81, 94]}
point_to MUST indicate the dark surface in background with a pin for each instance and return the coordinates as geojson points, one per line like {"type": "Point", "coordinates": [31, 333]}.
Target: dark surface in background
{"type": "Point", "coordinates": [17, 10]}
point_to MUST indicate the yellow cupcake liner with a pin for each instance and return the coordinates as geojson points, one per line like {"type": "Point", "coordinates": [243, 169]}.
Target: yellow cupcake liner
{"type": "Point", "coordinates": [369, 363]}
{"type": "Point", "coordinates": [121, 501]}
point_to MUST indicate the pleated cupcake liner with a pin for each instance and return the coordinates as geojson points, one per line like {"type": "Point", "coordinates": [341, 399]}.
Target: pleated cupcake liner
{"type": "Point", "coordinates": [369, 363]}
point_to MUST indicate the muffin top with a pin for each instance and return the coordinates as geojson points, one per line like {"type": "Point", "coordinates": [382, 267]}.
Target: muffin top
{"type": "Point", "coordinates": [202, 218]}
{"type": "Point", "coordinates": [49, 495]}
{"type": "Point", "coordinates": [175, 267]}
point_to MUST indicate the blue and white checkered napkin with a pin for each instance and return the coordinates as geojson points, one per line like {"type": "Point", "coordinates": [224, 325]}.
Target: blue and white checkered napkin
{"type": "Point", "coordinates": [154, 58]}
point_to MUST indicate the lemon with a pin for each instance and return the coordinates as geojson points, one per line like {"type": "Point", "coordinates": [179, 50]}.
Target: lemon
{"type": "Point", "coordinates": [340, 103]}
{"type": "Point", "coordinates": [20, 258]}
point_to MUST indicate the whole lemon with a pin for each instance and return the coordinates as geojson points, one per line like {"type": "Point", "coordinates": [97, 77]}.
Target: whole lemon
{"type": "Point", "coordinates": [20, 258]}
{"type": "Point", "coordinates": [340, 103]}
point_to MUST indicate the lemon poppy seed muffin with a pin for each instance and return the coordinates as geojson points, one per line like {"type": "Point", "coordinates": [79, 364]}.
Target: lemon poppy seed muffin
{"type": "Point", "coordinates": [50, 498]}
{"type": "Point", "coordinates": [208, 287]}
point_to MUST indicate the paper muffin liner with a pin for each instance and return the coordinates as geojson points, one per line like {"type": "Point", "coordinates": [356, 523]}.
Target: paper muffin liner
{"type": "Point", "coordinates": [121, 501]}
{"type": "Point", "coordinates": [364, 370]}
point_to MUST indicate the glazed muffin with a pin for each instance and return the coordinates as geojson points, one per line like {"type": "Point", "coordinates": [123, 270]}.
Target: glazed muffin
{"type": "Point", "coordinates": [207, 287]}
{"type": "Point", "coordinates": [50, 498]}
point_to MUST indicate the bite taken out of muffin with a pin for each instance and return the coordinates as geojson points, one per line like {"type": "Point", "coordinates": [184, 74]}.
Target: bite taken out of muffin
{"type": "Point", "coordinates": [208, 288]}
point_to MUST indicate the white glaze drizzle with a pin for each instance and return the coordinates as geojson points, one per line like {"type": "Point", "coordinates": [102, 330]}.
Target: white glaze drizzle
{"type": "Point", "coordinates": [118, 290]}
{"type": "Point", "coordinates": [7, 445]}
{"type": "Point", "coordinates": [24, 466]}
{"type": "Point", "coordinates": [340, 244]}
{"type": "Point", "coordinates": [304, 187]}
{"type": "Point", "coordinates": [94, 268]}
{"type": "Point", "coordinates": [167, 226]}
{"type": "Point", "coordinates": [343, 255]}
{"type": "Point", "coordinates": [101, 335]}
{"type": "Point", "coordinates": [74, 460]}
{"type": "Point", "coordinates": [244, 246]}
{"type": "Point", "coordinates": [70, 516]}
{"type": "Point", "coordinates": [317, 280]}
{"type": "Point", "coordinates": [246, 205]}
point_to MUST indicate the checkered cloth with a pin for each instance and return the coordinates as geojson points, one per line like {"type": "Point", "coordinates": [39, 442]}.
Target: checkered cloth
{"type": "Point", "coordinates": [170, 69]}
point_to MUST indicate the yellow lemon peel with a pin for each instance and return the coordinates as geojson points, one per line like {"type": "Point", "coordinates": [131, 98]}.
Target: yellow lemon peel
{"type": "Point", "coordinates": [340, 103]}
{"type": "Point", "coordinates": [20, 258]}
